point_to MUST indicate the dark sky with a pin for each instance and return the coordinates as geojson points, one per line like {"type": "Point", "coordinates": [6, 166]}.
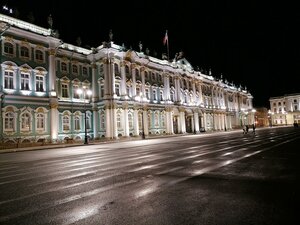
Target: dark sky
{"type": "Point", "coordinates": [251, 43]}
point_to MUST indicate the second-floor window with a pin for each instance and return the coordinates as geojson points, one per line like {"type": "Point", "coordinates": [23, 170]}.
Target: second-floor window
{"type": "Point", "coordinates": [9, 80]}
{"type": "Point", "coordinates": [24, 52]}
{"type": "Point", "coordinates": [39, 83]}
{"type": "Point", "coordinates": [39, 55]}
{"type": "Point", "coordinates": [64, 91]}
{"type": "Point", "coordinates": [8, 48]}
{"type": "Point", "coordinates": [25, 81]}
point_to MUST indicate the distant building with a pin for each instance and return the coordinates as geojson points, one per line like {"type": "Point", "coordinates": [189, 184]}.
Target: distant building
{"type": "Point", "coordinates": [285, 110]}
{"type": "Point", "coordinates": [45, 87]}
{"type": "Point", "coordinates": [261, 117]}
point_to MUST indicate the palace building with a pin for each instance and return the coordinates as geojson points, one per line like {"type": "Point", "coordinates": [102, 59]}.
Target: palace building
{"type": "Point", "coordinates": [284, 110]}
{"type": "Point", "coordinates": [53, 91]}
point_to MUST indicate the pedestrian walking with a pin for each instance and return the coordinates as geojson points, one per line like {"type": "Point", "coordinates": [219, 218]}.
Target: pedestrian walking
{"type": "Point", "coordinates": [253, 128]}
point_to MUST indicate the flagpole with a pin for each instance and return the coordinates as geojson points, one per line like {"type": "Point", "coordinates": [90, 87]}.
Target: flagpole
{"type": "Point", "coordinates": [168, 49]}
{"type": "Point", "coordinates": [166, 41]}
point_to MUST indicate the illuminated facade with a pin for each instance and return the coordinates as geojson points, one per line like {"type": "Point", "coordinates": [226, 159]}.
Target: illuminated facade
{"type": "Point", "coordinates": [132, 92]}
{"type": "Point", "coordinates": [285, 110]}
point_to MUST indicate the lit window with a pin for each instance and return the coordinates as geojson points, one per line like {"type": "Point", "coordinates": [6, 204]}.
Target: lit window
{"type": "Point", "coordinates": [24, 52]}
{"type": "Point", "coordinates": [66, 123]}
{"type": "Point", "coordinates": [25, 81]}
{"type": "Point", "coordinates": [39, 55]}
{"type": "Point", "coordinates": [8, 48]}
{"type": "Point", "coordinates": [39, 83]}
{"type": "Point", "coordinates": [40, 121]}
{"type": "Point", "coordinates": [9, 80]}
{"type": "Point", "coordinates": [9, 121]}
{"type": "Point", "coordinates": [25, 122]}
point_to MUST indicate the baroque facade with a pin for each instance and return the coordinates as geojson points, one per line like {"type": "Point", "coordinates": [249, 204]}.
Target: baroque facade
{"type": "Point", "coordinates": [284, 110]}
{"type": "Point", "coordinates": [131, 92]}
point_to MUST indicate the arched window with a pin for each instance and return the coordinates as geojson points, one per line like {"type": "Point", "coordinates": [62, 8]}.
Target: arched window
{"type": "Point", "coordinates": [119, 124]}
{"type": "Point", "coordinates": [75, 69]}
{"type": "Point", "coordinates": [130, 121]}
{"type": "Point", "coordinates": [39, 83]}
{"type": "Point", "coordinates": [64, 67]}
{"type": "Point", "coordinates": [137, 74]}
{"type": "Point", "coordinates": [8, 48]}
{"type": "Point", "coordinates": [25, 81]}
{"type": "Point", "coordinates": [24, 52]}
{"type": "Point", "coordinates": [66, 122]}
{"type": "Point", "coordinates": [77, 122]}
{"type": "Point", "coordinates": [25, 121]}
{"type": "Point", "coordinates": [39, 55]}
{"type": "Point", "coordinates": [9, 121]}
{"type": "Point", "coordinates": [40, 122]}
{"type": "Point", "coordinates": [102, 120]}
{"type": "Point", "coordinates": [9, 80]}
{"type": "Point", "coordinates": [117, 71]}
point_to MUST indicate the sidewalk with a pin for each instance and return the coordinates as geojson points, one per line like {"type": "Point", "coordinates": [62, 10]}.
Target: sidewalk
{"type": "Point", "coordinates": [64, 145]}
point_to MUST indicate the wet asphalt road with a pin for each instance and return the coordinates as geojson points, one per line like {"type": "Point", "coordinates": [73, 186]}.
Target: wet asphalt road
{"type": "Point", "coordinates": [222, 178]}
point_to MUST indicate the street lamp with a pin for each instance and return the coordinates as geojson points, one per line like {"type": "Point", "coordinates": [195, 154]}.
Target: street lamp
{"type": "Point", "coordinates": [143, 128]}
{"type": "Point", "coordinates": [86, 94]}
{"type": "Point", "coordinates": [270, 117]}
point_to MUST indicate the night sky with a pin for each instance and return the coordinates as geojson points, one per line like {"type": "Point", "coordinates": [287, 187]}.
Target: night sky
{"type": "Point", "coordinates": [254, 44]}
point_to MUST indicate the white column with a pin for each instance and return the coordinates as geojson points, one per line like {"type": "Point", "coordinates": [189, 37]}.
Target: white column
{"type": "Point", "coordinates": [95, 89]}
{"type": "Point", "coordinates": [196, 122]}
{"type": "Point", "coordinates": [52, 73]}
{"type": "Point", "coordinates": [135, 122]}
{"type": "Point", "coordinates": [95, 122]}
{"type": "Point", "coordinates": [53, 120]}
{"type": "Point", "coordinates": [126, 125]}
{"type": "Point", "coordinates": [123, 80]}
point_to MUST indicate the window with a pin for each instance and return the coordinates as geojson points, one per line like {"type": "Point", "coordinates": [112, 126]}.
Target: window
{"type": "Point", "coordinates": [154, 95]}
{"type": "Point", "coordinates": [101, 70]}
{"type": "Point", "coordinates": [9, 80]}
{"type": "Point", "coordinates": [138, 91]}
{"type": "Point", "coordinates": [102, 91]}
{"type": "Point", "coordinates": [161, 96]}
{"type": "Point", "coordinates": [25, 81]}
{"type": "Point", "coordinates": [77, 122]}
{"type": "Point", "coordinates": [75, 92]}
{"type": "Point", "coordinates": [172, 96]}
{"type": "Point", "coordinates": [128, 91]}
{"type": "Point", "coordinates": [137, 74]}
{"type": "Point", "coordinates": [24, 52]}
{"type": "Point", "coordinates": [117, 72]}
{"type": "Point", "coordinates": [130, 121]}
{"type": "Point", "coordinates": [75, 69]}
{"type": "Point", "coordinates": [40, 121]}
{"type": "Point", "coordinates": [39, 55]}
{"type": "Point", "coordinates": [84, 71]}
{"type": "Point", "coordinates": [8, 48]}
{"type": "Point", "coordinates": [66, 123]}
{"type": "Point", "coordinates": [39, 83]}
{"type": "Point", "coordinates": [153, 76]}
{"type": "Point", "coordinates": [119, 121]}
{"type": "Point", "coordinates": [118, 89]}
{"type": "Point", "coordinates": [156, 119]}
{"type": "Point", "coordinates": [64, 90]}
{"type": "Point", "coordinates": [127, 71]}
{"type": "Point", "coordinates": [9, 121]}
{"type": "Point", "coordinates": [163, 121]}
{"type": "Point", "coordinates": [296, 107]}
{"type": "Point", "coordinates": [102, 120]}
{"type": "Point", "coordinates": [140, 120]}
{"type": "Point", "coordinates": [295, 100]}
{"type": "Point", "coordinates": [25, 121]}
{"type": "Point", "coordinates": [64, 67]}
{"type": "Point", "coordinates": [88, 121]}
{"type": "Point", "coordinates": [147, 93]}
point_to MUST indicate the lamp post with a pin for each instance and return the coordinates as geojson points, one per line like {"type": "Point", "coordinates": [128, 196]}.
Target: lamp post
{"type": "Point", "coordinates": [270, 117]}
{"type": "Point", "coordinates": [143, 128]}
{"type": "Point", "coordinates": [86, 94]}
